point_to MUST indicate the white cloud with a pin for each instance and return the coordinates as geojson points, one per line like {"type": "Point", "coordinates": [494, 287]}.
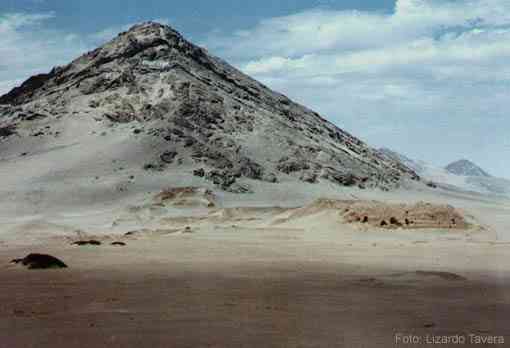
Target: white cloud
{"type": "Point", "coordinates": [432, 78]}
{"type": "Point", "coordinates": [322, 30]}
{"type": "Point", "coordinates": [27, 47]}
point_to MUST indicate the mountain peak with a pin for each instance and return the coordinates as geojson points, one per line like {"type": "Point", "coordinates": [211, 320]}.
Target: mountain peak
{"type": "Point", "coordinates": [148, 25]}
{"type": "Point", "coordinates": [151, 29]}
{"type": "Point", "coordinates": [466, 168]}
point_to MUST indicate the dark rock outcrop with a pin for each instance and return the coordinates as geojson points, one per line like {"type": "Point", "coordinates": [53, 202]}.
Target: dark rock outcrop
{"type": "Point", "coordinates": [87, 242]}
{"type": "Point", "coordinates": [7, 131]}
{"type": "Point", "coordinates": [26, 90]}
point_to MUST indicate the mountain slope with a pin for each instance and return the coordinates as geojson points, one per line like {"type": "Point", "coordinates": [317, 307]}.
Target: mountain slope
{"type": "Point", "coordinates": [467, 168]}
{"type": "Point", "coordinates": [154, 102]}
{"type": "Point", "coordinates": [416, 166]}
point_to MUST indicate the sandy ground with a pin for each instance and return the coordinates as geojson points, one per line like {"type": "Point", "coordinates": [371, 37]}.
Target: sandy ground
{"type": "Point", "coordinates": [235, 279]}
{"type": "Point", "coordinates": [250, 274]}
{"type": "Point", "coordinates": [195, 291]}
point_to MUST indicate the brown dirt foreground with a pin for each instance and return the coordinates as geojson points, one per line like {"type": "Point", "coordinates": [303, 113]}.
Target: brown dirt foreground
{"type": "Point", "coordinates": [167, 292]}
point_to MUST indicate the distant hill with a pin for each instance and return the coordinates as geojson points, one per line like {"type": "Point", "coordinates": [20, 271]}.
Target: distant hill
{"type": "Point", "coordinates": [467, 168]}
{"type": "Point", "coordinates": [461, 175]}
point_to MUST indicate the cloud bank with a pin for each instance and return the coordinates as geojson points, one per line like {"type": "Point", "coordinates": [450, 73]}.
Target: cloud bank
{"type": "Point", "coordinates": [430, 79]}
{"type": "Point", "coordinates": [28, 46]}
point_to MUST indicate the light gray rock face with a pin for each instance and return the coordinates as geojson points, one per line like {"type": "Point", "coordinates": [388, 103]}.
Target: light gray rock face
{"type": "Point", "coordinates": [201, 108]}
{"type": "Point", "coordinates": [466, 168]}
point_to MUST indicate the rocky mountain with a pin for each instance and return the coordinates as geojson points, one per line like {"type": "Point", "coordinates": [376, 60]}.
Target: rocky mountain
{"type": "Point", "coordinates": [467, 168]}
{"type": "Point", "coordinates": [151, 100]}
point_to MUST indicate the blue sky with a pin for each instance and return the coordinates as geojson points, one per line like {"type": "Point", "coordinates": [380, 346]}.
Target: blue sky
{"type": "Point", "coordinates": [428, 78]}
{"type": "Point", "coordinates": [195, 17]}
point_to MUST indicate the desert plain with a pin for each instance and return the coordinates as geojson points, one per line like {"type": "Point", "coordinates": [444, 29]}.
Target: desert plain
{"type": "Point", "coordinates": [201, 269]}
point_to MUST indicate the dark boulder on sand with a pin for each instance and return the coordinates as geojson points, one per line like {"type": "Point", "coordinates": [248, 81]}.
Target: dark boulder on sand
{"type": "Point", "coordinates": [40, 261]}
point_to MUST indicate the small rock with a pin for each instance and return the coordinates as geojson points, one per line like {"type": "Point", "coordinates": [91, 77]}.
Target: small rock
{"type": "Point", "coordinates": [394, 221]}
{"type": "Point", "coordinates": [7, 131]}
{"type": "Point", "coordinates": [239, 188]}
{"type": "Point", "coordinates": [270, 177]}
{"type": "Point", "coordinates": [288, 166]}
{"type": "Point", "coordinates": [168, 156]}
{"type": "Point", "coordinates": [87, 242]}
{"type": "Point", "coordinates": [189, 142]}
{"type": "Point", "coordinates": [309, 177]}
{"type": "Point", "coordinates": [155, 167]}
{"type": "Point", "coordinates": [249, 168]}
{"type": "Point", "coordinates": [221, 179]}
{"type": "Point", "coordinates": [431, 184]}
{"type": "Point", "coordinates": [199, 172]}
